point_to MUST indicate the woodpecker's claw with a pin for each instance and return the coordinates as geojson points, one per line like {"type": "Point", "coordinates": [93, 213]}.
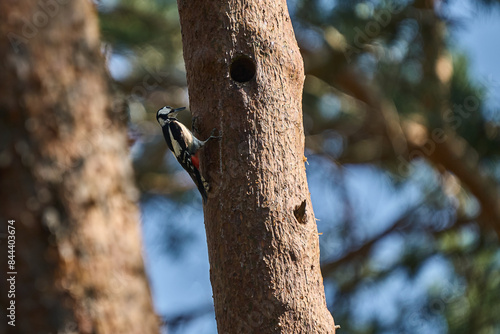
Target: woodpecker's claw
{"type": "Point", "coordinates": [212, 134]}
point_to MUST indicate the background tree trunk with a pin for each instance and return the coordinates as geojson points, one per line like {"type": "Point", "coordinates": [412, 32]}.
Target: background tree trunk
{"type": "Point", "coordinates": [66, 178]}
{"type": "Point", "coordinates": [245, 77]}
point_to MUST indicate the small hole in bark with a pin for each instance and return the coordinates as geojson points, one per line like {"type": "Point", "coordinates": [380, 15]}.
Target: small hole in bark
{"type": "Point", "coordinates": [300, 212]}
{"type": "Point", "coordinates": [242, 69]}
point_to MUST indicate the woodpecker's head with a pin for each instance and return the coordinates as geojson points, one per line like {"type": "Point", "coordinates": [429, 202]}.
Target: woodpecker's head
{"type": "Point", "coordinates": [167, 114]}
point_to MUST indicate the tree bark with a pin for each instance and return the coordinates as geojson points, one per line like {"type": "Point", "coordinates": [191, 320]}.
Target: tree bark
{"type": "Point", "coordinates": [66, 178]}
{"type": "Point", "coordinates": [245, 77]}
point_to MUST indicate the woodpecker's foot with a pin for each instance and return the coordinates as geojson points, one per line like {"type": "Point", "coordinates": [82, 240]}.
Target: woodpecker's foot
{"type": "Point", "coordinates": [212, 135]}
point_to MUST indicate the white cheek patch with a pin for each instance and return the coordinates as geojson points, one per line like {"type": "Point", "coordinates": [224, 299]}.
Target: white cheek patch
{"type": "Point", "coordinates": [164, 111]}
{"type": "Point", "coordinates": [162, 121]}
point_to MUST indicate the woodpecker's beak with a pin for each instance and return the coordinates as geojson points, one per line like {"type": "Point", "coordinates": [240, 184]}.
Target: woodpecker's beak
{"type": "Point", "coordinates": [177, 110]}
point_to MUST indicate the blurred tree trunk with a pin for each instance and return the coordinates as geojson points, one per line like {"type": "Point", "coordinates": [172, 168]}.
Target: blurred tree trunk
{"type": "Point", "coordinates": [245, 77]}
{"type": "Point", "coordinates": [66, 178]}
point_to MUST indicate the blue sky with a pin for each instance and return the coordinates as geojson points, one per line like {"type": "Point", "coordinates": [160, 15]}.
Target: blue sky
{"type": "Point", "coordinates": [479, 38]}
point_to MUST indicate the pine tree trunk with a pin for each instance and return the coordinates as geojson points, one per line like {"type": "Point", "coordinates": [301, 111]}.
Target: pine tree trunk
{"type": "Point", "coordinates": [66, 179]}
{"type": "Point", "coordinates": [245, 78]}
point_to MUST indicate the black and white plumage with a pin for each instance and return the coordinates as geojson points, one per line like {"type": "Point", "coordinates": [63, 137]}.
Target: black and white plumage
{"type": "Point", "coordinates": [184, 145]}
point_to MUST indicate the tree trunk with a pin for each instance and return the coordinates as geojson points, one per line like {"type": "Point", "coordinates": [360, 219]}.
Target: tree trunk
{"type": "Point", "coordinates": [245, 77]}
{"type": "Point", "coordinates": [66, 179]}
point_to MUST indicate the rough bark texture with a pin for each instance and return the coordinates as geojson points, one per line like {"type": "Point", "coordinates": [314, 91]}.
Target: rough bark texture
{"type": "Point", "coordinates": [261, 230]}
{"type": "Point", "coordinates": [66, 178]}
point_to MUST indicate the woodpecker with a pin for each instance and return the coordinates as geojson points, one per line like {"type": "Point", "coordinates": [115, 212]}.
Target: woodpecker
{"type": "Point", "coordinates": [184, 145]}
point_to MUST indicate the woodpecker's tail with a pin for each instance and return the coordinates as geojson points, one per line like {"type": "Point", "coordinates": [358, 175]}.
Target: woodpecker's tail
{"type": "Point", "coordinates": [201, 184]}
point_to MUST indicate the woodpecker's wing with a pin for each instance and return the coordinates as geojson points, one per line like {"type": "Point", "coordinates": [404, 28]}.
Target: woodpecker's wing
{"type": "Point", "coordinates": [166, 135]}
